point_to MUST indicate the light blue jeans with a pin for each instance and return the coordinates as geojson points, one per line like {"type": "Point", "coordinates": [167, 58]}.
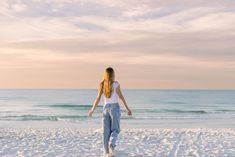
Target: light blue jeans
{"type": "Point", "coordinates": [111, 124]}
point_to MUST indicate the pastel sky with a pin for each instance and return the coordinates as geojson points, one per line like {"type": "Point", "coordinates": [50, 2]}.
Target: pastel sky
{"type": "Point", "coordinates": [158, 44]}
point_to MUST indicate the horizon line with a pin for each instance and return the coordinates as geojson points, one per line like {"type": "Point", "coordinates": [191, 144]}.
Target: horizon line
{"type": "Point", "coordinates": [121, 88]}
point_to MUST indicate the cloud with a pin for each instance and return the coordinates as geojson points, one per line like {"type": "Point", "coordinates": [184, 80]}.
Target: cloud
{"type": "Point", "coordinates": [167, 41]}
{"type": "Point", "coordinates": [32, 20]}
{"type": "Point", "coordinates": [212, 45]}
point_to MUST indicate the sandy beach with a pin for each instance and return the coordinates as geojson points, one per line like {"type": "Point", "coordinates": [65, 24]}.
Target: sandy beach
{"type": "Point", "coordinates": [132, 142]}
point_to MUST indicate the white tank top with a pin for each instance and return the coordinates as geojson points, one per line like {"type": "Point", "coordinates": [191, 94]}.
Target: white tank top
{"type": "Point", "coordinates": [114, 96]}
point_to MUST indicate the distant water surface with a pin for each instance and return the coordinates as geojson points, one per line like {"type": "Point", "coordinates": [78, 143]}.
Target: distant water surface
{"type": "Point", "coordinates": [151, 108]}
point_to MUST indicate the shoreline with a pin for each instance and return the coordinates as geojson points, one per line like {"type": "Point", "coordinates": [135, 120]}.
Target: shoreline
{"type": "Point", "coordinates": [97, 123]}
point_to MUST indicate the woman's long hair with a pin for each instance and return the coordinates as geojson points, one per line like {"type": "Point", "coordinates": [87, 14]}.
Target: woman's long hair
{"type": "Point", "coordinates": [108, 79]}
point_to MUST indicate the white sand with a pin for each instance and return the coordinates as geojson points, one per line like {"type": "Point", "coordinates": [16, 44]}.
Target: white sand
{"type": "Point", "coordinates": [131, 142]}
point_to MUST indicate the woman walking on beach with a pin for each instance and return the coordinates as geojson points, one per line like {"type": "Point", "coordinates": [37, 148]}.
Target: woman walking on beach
{"type": "Point", "coordinates": [111, 110]}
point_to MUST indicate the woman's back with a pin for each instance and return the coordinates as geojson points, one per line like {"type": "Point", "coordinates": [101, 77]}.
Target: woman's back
{"type": "Point", "coordinates": [111, 112]}
{"type": "Point", "coordinates": [114, 96]}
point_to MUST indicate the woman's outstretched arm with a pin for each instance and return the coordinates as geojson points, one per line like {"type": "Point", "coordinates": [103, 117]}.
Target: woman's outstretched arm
{"type": "Point", "coordinates": [96, 102]}
{"type": "Point", "coordinates": [119, 92]}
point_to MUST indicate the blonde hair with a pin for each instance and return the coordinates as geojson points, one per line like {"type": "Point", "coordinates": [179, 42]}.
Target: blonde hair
{"type": "Point", "coordinates": [108, 79]}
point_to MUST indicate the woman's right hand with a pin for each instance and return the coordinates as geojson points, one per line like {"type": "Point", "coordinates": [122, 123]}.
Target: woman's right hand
{"type": "Point", "coordinates": [129, 112]}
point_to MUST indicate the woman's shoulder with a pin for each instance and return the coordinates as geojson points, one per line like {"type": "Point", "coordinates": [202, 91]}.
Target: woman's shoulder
{"type": "Point", "coordinates": [116, 83]}
{"type": "Point", "coordinates": [101, 84]}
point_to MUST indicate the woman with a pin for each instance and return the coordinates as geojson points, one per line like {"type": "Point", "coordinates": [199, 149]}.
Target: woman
{"type": "Point", "coordinates": [111, 110]}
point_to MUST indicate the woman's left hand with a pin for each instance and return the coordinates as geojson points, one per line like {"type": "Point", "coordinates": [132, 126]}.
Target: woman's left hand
{"type": "Point", "coordinates": [90, 113]}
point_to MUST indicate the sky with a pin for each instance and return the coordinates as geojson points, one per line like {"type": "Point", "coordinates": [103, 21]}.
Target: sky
{"type": "Point", "coordinates": [151, 44]}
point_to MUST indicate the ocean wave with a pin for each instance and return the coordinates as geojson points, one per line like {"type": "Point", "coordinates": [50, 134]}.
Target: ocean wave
{"type": "Point", "coordinates": [40, 117]}
{"type": "Point", "coordinates": [175, 102]}
{"type": "Point", "coordinates": [169, 111]}
{"type": "Point", "coordinates": [178, 111]}
{"type": "Point", "coordinates": [225, 110]}
{"type": "Point", "coordinates": [71, 106]}
{"type": "Point", "coordinates": [185, 111]}
{"type": "Point", "coordinates": [141, 110]}
{"type": "Point", "coordinates": [79, 118]}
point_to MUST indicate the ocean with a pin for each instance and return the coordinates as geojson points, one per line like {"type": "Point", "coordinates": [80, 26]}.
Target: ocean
{"type": "Point", "coordinates": [151, 108]}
